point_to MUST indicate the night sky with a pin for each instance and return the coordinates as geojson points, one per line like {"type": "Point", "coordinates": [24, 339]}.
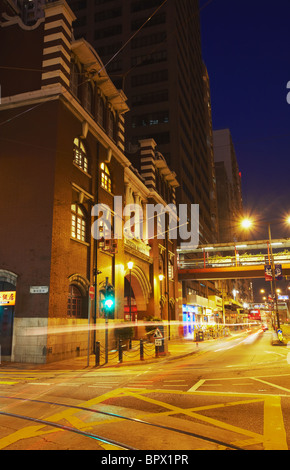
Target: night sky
{"type": "Point", "coordinates": [246, 48]}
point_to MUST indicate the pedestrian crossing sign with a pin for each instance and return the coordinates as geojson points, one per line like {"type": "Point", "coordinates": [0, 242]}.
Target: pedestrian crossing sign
{"type": "Point", "coordinates": [157, 334]}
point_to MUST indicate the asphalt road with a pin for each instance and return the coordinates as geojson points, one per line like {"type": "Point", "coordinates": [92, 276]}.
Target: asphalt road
{"type": "Point", "coordinates": [231, 395]}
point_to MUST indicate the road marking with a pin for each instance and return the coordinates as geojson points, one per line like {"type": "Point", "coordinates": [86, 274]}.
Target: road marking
{"type": "Point", "coordinates": [271, 384]}
{"type": "Point", "coordinates": [8, 383]}
{"type": "Point", "coordinates": [38, 383]}
{"type": "Point", "coordinates": [68, 385]}
{"type": "Point", "coordinates": [196, 386]}
{"type": "Point", "coordinates": [274, 430]}
{"type": "Point", "coordinates": [274, 436]}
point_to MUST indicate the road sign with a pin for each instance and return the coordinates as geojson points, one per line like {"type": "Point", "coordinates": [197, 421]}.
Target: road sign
{"type": "Point", "coordinates": [92, 292]}
{"type": "Point", "coordinates": [157, 334]}
{"type": "Point", "coordinates": [280, 335]}
{"type": "Point", "coordinates": [268, 272]}
{"type": "Point", "coordinates": [158, 342]}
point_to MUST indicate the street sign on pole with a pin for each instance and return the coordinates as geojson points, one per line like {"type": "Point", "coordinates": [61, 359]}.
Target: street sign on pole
{"type": "Point", "coordinates": [269, 275]}
{"type": "Point", "coordinates": [157, 334]}
{"type": "Point", "coordinates": [92, 292]}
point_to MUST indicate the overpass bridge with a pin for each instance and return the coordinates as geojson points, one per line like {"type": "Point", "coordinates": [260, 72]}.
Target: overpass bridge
{"type": "Point", "coordinates": [240, 260]}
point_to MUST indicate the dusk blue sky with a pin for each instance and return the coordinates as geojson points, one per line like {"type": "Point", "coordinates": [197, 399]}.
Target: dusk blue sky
{"type": "Point", "coordinates": [246, 48]}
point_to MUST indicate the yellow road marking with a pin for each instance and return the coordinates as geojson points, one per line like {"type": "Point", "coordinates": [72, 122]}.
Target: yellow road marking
{"type": "Point", "coordinates": [274, 430]}
{"type": "Point", "coordinates": [273, 437]}
{"type": "Point", "coordinates": [271, 384]}
{"type": "Point", "coordinates": [7, 383]}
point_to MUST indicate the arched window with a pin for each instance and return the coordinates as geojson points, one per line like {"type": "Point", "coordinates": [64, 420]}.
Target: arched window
{"type": "Point", "coordinates": [78, 223]}
{"type": "Point", "coordinates": [106, 181]}
{"type": "Point", "coordinates": [80, 155]}
{"type": "Point", "coordinates": [75, 303]}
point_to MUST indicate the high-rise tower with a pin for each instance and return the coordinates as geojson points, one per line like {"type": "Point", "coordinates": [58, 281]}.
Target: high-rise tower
{"type": "Point", "coordinates": [158, 64]}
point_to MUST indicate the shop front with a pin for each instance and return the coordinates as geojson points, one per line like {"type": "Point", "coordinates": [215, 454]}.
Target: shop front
{"type": "Point", "coordinates": [7, 305]}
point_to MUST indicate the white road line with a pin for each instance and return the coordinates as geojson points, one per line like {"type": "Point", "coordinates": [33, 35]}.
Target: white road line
{"type": "Point", "coordinates": [68, 385]}
{"type": "Point", "coordinates": [38, 383]}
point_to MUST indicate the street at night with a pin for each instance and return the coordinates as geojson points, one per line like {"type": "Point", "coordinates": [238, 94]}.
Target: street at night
{"type": "Point", "coordinates": [230, 394]}
{"type": "Point", "coordinates": [145, 228]}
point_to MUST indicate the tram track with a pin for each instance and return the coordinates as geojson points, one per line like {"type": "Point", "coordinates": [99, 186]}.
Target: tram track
{"type": "Point", "coordinates": [103, 439]}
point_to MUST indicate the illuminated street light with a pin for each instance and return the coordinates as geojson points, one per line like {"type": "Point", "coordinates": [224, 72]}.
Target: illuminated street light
{"type": "Point", "coordinates": [161, 277]}
{"type": "Point", "coordinates": [130, 267]}
{"type": "Point", "coordinates": [246, 223]}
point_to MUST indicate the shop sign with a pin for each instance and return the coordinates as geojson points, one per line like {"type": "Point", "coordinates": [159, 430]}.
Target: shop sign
{"type": "Point", "coordinates": [7, 298]}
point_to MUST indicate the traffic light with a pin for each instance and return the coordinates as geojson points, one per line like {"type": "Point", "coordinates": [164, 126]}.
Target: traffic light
{"type": "Point", "coordinates": [108, 301]}
{"type": "Point", "coordinates": [109, 297]}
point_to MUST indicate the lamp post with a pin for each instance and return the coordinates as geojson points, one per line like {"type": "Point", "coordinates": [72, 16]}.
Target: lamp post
{"type": "Point", "coordinates": [273, 276]}
{"type": "Point", "coordinates": [130, 267]}
{"type": "Point", "coordinates": [247, 223]}
{"type": "Point", "coordinates": [161, 277]}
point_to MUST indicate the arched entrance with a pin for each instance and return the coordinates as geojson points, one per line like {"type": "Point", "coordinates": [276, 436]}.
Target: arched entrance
{"type": "Point", "coordinates": [7, 305]}
{"type": "Point", "coordinates": [137, 288]}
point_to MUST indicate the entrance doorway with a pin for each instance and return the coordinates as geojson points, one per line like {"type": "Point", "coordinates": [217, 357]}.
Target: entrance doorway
{"type": "Point", "coordinates": [130, 307]}
{"type": "Point", "coordinates": [7, 305]}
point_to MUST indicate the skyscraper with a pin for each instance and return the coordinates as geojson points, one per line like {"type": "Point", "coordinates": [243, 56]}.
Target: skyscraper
{"type": "Point", "coordinates": [158, 64]}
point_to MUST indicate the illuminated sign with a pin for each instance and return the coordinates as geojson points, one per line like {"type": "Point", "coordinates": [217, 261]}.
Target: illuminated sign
{"type": "Point", "coordinates": [38, 289]}
{"type": "Point", "coordinates": [7, 298]}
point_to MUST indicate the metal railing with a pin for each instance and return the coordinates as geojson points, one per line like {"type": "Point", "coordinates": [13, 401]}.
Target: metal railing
{"type": "Point", "coordinates": [127, 351]}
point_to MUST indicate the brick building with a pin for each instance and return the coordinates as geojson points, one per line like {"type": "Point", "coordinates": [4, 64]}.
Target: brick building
{"type": "Point", "coordinates": [62, 152]}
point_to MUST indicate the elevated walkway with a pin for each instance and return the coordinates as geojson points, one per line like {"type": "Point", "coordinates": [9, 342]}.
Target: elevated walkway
{"type": "Point", "coordinates": [241, 260]}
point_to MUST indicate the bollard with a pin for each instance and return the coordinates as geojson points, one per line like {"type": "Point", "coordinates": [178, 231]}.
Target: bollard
{"type": "Point", "coordinates": [120, 351]}
{"type": "Point", "coordinates": [156, 351]}
{"type": "Point", "coordinates": [97, 353]}
{"type": "Point", "coordinates": [141, 350]}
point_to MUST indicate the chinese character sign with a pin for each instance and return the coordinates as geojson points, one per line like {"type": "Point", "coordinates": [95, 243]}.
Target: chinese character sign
{"type": "Point", "coordinates": [7, 298]}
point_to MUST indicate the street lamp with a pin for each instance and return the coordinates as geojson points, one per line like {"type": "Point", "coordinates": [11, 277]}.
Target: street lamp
{"type": "Point", "coordinates": [247, 223]}
{"type": "Point", "coordinates": [130, 267]}
{"type": "Point", "coordinates": [161, 277]}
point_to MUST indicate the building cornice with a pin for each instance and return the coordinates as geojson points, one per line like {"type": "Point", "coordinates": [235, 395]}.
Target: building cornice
{"type": "Point", "coordinates": [59, 92]}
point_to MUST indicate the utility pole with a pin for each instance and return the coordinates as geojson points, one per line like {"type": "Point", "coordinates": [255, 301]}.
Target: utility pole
{"type": "Point", "coordinates": [273, 277]}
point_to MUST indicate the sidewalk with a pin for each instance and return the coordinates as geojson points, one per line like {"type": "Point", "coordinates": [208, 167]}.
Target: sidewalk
{"type": "Point", "coordinates": [177, 348]}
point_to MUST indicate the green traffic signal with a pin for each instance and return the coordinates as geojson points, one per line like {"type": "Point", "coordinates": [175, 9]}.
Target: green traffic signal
{"type": "Point", "coordinates": [109, 303]}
